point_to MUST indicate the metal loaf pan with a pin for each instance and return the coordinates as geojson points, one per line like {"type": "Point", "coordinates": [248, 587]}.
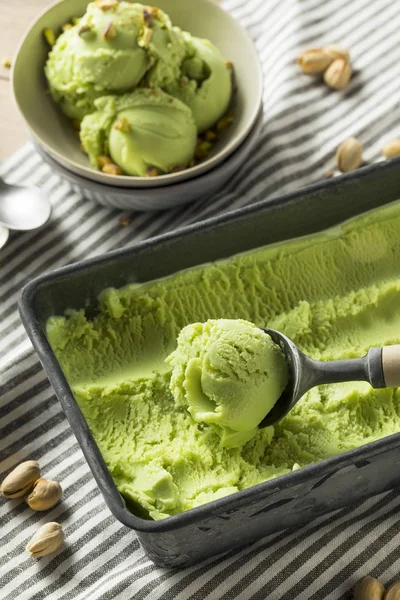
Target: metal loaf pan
{"type": "Point", "coordinates": [290, 500]}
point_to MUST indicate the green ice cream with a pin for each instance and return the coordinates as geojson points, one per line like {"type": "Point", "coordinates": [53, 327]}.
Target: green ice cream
{"type": "Point", "coordinates": [227, 373]}
{"type": "Point", "coordinates": [206, 83]}
{"type": "Point", "coordinates": [109, 51]}
{"type": "Point", "coordinates": [144, 129]}
{"type": "Point", "coordinates": [335, 294]}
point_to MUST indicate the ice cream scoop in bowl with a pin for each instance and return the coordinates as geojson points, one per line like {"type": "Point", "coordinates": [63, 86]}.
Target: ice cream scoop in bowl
{"type": "Point", "coordinates": [103, 38]}
{"type": "Point", "coordinates": [380, 367]}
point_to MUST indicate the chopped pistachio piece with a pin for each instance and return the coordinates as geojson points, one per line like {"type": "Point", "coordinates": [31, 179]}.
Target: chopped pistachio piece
{"type": "Point", "coordinates": [147, 35]}
{"type": "Point", "coordinates": [111, 169]}
{"type": "Point", "coordinates": [123, 125]}
{"type": "Point", "coordinates": [6, 62]}
{"type": "Point", "coordinates": [148, 17]}
{"type": "Point", "coordinates": [110, 31]}
{"type": "Point", "coordinates": [49, 36]}
{"type": "Point", "coordinates": [66, 26]}
{"type": "Point", "coordinates": [152, 172]}
{"type": "Point", "coordinates": [107, 4]}
{"type": "Point", "coordinates": [203, 149]}
{"type": "Point", "coordinates": [177, 169]}
{"type": "Point", "coordinates": [124, 220]}
{"type": "Point", "coordinates": [210, 135]}
{"type": "Point", "coordinates": [103, 160]}
{"type": "Point", "coordinates": [86, 32]}
{"type": "Point", "coordinates": [224, 122]}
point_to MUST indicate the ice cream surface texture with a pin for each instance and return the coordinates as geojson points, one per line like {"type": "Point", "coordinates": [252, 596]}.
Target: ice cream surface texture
{"type": "Point", "coordinates": [227, 373]}
{"type": "Point", "coordinates": [117, 48]}
{"type": "Point", "coordinates": [334, 294]}
{"type": "Point", "coordinates": [144, 129]}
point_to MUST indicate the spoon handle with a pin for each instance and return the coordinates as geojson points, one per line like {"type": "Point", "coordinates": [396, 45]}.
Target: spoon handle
{"type": "Point", "coordinates": [368, 368]}
{"type": "Point", "coordinates": [391, 365]}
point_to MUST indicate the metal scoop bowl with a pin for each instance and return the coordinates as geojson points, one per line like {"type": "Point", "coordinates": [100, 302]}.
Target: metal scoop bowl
{"type": "Point", "coordinates": [380, 367]}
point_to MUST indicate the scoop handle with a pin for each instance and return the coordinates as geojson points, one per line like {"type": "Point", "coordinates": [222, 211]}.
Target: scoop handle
{"type": "Point", "coordinates": [391, 365]}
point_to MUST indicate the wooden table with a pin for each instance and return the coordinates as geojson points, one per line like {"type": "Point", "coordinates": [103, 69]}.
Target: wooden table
{"type": "Point", "coordinates": [15, 18]}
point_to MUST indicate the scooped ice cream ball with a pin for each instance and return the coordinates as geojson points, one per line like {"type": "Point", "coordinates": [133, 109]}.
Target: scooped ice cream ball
{"type": "Point", "coordinates": [144, 131]}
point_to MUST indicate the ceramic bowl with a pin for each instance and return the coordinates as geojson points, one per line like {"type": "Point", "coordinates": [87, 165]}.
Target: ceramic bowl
{"type": "Point", "coordinates": [54, 132]}
{"type": "Point", "coordinates": [159, 198]}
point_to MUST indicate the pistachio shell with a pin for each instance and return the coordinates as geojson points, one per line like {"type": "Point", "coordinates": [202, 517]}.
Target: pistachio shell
{"type": "Point", "coordinates": [46, 540]}
{"type": "Point", "coordinates": [314, 61]}
{"type": "Point", "coordinates": [20, 481]}
{"type": "Point", "coordinates": [336, 51]}
{"type": "Point", "coordinates": [349, 155]}
{"type": "Point", "coordinates": [391, 149]}
{"type": "Point", "coordinates": [45, 494]}
{"type": "Point", "coordinates": [368, 588]}
{"type": "Point", "coordinates": [393, 593]}
{"type": "Point", "coordinates": [338, 74]}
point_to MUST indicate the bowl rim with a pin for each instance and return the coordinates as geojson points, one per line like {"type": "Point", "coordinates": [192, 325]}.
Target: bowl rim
{"type": "Point", "coordinates": [128, 181]}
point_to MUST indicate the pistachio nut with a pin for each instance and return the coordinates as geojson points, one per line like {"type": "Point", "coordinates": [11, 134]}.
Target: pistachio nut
{"type": "Point", "coordinates": [111, 169]}
{"type": "Point", "coordinates": [45, 494]}
{"type": "Point", "coordinates": [368, 588]}
{"type": "Point", "coordinates": [338, 74]}
{"type": "Point", "coordinates": [146, 38]}
{"type": "Point", "coordinates": [46, 540]}
{"type": "Point", "coordinates": [349, 155]}
{"type": "Point", "coordinates": [225, 122]}
{"type": "Point", "coordinates": [110, 31]}
{"type": "Point", "coordinates": [314, 61]}
{"type": "Point", "coordinates": [49, 36]}
{"type": "Point", "coordinates": [107, 4]}
{"type": "Point", "coordinates": [6, 62]}
{"type": "Point", "coordinates": [393, 593]}
{"type": "Point", "coordinates": [147, 17]}
{"type": "Point", "coordinates": [336, 51]}
{"type": "Point", "coordinates": [86, 32]}
{"type": "Point", "coordinates": [123, 125]}
{"type": "Point", "coordinates": [392, 149]}
{"type": "Point", "coordinates": [152, 172]}
{"type": "Point", "coordinates": [20, 481]}
{"type": "Point", "coordinates": [103, 160]}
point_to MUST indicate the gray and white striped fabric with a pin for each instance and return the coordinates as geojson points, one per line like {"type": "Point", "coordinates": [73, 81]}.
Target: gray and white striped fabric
{"type": "Point", "coordinates": [304, 123]}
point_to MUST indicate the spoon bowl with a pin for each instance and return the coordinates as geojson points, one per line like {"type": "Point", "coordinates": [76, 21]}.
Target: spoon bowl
{"type": "Point", "coordinates": [23, 208]}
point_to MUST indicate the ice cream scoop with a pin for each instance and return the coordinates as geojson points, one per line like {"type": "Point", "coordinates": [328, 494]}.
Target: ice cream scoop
{"type": "Point", "coordinates": [380, 367]}
{"type": "Point", "coordinates": [229, 374]}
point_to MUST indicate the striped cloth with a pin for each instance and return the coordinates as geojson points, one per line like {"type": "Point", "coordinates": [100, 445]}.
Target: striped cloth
{"type": "Point", "coordinates": [304, 123]}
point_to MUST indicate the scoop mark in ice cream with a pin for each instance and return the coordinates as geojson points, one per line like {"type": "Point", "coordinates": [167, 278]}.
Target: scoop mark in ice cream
{"type": "Point", "coordinates": [117, 47]}
{"type": "Point", "coordinates": [162, 461]}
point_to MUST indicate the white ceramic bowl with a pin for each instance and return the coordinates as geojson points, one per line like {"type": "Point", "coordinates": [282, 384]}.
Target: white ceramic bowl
{"type": "Point", "coordinates": [160, 198]}
{"type": "Point", "coordinates": [54, 132]}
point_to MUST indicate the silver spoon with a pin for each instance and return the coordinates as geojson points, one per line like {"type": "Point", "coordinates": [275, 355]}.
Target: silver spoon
{"type": "Point", "coordinates": [23, 208]}
{"type": "Point", "coordinates": [380, 367]}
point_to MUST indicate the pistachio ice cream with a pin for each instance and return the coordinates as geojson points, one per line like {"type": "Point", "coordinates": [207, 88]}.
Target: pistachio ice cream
{"type": "Point", "coordinates": [143, 130]}
{"type": "Point", "coordinates": [118, 48]}
{"type": "Point", "coordinates": [335, 294]}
